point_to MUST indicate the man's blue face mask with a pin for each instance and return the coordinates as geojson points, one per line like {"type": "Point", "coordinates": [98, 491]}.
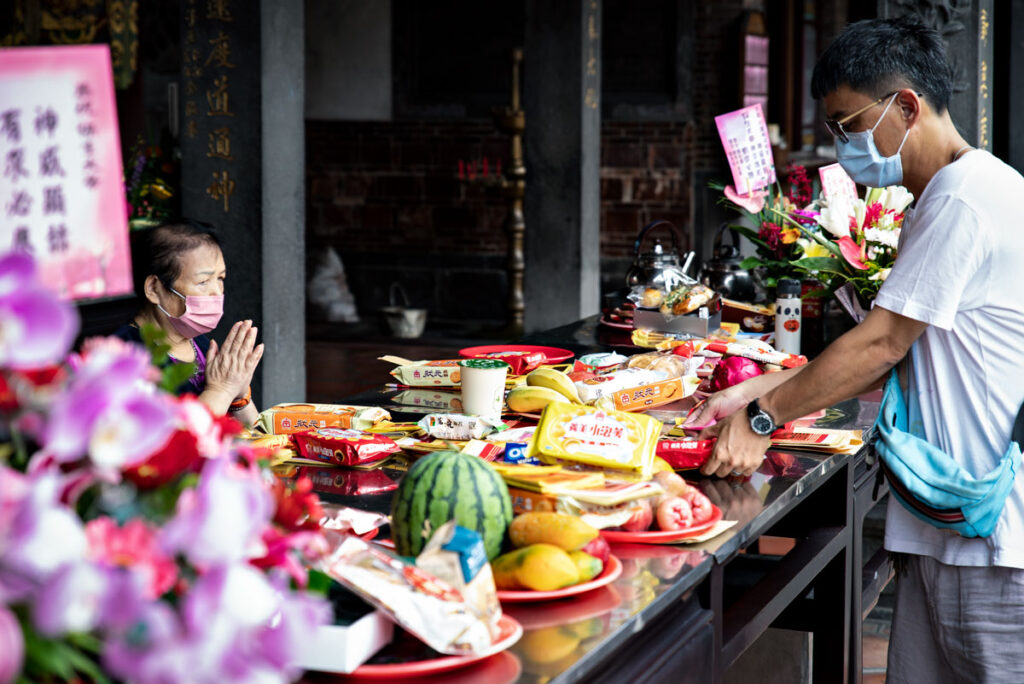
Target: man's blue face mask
{"type": "Point", "coordinates": [864, 163]}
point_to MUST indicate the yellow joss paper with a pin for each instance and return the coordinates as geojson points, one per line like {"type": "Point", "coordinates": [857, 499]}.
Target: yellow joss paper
{"type": "Point", "coordinates": [598, 437]}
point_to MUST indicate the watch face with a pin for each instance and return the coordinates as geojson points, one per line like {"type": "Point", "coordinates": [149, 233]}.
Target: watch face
{"type": "Point", "coordinates": [761, 424]}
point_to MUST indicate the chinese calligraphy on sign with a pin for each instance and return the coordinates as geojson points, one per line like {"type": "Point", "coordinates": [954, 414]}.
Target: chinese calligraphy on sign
{"type": "Point", "coordinates": [744, 135]}
{"type": "Point", "coordinates": [209, 61]}
{"type": "Point", "coordinates": [62, 197]}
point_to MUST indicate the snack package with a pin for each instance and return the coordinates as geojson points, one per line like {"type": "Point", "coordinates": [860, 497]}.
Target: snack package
{"type": "Point", "coordinates": [599, 362]}
{"type": "Point", "coordinates": [345, 519]}
{"type": "Point", "coordinates": [456, 555]}
{"type": "Point", "coordinates": [431, 609]}
{"type": "Point", "coordinates": [596, 515]}
{"type": "Point", "coordinates": [685, 454]}
{"type": "Point", "coordinates": [674, 365]}
{"type": "Point", "coordinates": [521, 362]}
{"type": "Point", "coordinates": [592, 389]}
{"type": "Point", "coordinates": [444, 373]}
{"type": "Point", "coordinates": [345, 447]}
{"type": "Point", "coordinates": [458, 427]}
{"type": "Point", "coordinates": [431, 399]}
{"type": "Point", "coordinates": [341, 481]}
{"type": "Point", "coordinates": [286, 419]}
{"type": "Point", "coordinates": [594, 436]}
{"type": "Point", "coordinates": [648, 396]}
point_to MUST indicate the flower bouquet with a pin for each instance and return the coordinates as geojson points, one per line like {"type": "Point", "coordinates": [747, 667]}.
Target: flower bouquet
{"type": "Point", "coordinates": [781, 218]}
{"type": "Point", "coordinates": [139, 541]}
{"type": "Point", "coordinates": [855, 250]}
{"type": "Point", "coordinates": [148, 185]}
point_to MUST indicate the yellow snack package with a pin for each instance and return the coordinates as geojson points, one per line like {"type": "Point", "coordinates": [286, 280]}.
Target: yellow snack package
{"type": "Point", "coordinates": [595, 436]}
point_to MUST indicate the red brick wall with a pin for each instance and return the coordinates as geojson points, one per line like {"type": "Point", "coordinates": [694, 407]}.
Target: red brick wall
{"type": "Point", "coordinates": [375, 186]}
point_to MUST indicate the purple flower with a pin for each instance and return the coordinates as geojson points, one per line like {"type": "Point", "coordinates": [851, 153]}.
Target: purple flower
{"type": "Point", "coordinates": [73, 600]}
{"type": "Point", "coordinates": [109, 410]}
{"type": "Point", "coordinates": [222, 518]}
{"type": "Point", "coordinates": [12, 646]}
{"type": "Point", "coordinates": [36, 327]}
{"type": "Point", "coordinates": [235, 627]}
{"type": "Point", "coordinates": [38, 534]}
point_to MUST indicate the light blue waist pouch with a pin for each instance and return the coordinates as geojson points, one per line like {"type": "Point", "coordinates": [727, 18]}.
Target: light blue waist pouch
{"type": "Point", "coordinates": [931, 484]}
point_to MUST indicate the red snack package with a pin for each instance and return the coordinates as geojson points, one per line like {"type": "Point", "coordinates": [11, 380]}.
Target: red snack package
{"type": "Point", "coordinates": [345, 447]}
{"type": "Point", "coordinates": [349, 482]}
{"type": "Point", "coordinates": [685, 454]}
{"type": "Point", "coordinates": [522, 362]}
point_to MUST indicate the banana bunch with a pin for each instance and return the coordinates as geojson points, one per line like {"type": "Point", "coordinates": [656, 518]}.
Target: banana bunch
{"type": "Point", "coordinates": [543, 386]}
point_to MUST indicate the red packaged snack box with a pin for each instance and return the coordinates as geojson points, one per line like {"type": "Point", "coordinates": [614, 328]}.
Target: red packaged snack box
{"type": "Point", "coordinates": [685, 454]}
{"type": "Point", "coordinates": [522, 362]}
{"type": "Point", "coordinates": [347, 482]}
{"type": "Point", "coordinates": [345, 447]}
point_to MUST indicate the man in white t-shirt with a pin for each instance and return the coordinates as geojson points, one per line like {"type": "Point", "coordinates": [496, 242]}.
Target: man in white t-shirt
{"type": "Point", "coordinates": [956, 296]}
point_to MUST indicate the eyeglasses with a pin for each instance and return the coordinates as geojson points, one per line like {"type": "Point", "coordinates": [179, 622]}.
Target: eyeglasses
{"type": "Point", "coordinates": [835, 126]}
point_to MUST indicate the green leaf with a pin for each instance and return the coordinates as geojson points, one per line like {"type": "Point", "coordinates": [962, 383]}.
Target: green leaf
{"type": "Point", "coordinates": [750, 262]}
{"type": "Point", "coordinates": [319, 583]}
{"type": "Point", "coordinates": [821, 264]}
{"type": "Point", "coordinates": [175, 374]}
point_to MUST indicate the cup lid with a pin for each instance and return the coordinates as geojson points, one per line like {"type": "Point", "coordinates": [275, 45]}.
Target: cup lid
{"type": "Point", "coordinates": [483, 363]}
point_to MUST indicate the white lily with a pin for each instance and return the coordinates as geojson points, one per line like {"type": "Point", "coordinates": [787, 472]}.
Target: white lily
{"type": "Point", "coordinates": [897, 198]}
{"type": "Point", "coordinates": [881, 275]}
{"type": "Point", "coordinates": [860, 208]}
{"type": "Point", "coordinates": [889, 238]}
{"type": "Point", "coordinates": [835, 218]}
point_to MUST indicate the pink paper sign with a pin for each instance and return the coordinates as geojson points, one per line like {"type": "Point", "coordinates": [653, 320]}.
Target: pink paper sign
{"type": "Point", "coordinates": [836, 185]}
{"type": "Point", "coordinates": [744, 135]}
{"type": "Point", "coordinates": [62, 194]}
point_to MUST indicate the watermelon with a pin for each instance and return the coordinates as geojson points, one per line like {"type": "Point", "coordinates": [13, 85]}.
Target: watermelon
{"type": "Point", "coordinates": [450, 485]}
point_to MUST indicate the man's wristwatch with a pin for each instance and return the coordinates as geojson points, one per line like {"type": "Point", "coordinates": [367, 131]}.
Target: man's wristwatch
{"type": "Point", "coordinates": [760, 422]}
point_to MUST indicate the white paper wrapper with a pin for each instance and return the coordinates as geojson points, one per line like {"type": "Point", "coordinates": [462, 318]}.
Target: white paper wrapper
{"type": "Point", "coordinates": [430, 609]}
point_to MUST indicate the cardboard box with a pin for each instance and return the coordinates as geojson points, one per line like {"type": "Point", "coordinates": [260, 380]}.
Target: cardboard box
{"type": "Point", "coordinates": [358, 633]}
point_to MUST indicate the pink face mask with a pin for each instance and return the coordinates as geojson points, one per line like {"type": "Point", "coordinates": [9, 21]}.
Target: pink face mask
{"type": "Point", "coordinates": [202, 314]}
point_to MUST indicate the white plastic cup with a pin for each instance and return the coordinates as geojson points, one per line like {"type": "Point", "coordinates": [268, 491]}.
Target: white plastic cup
{"type": "Point", "coordinates": [483, 386]}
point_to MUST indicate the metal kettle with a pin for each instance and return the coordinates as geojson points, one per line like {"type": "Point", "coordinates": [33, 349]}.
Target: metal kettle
{"type": "Point", "coordinates": [659, 268]}
{"type": "Point", "coordinates": [723, 273]}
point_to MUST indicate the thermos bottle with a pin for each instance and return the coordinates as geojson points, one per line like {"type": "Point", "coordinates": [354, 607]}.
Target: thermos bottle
{"type": "Point", "coordinates": [787, 316]}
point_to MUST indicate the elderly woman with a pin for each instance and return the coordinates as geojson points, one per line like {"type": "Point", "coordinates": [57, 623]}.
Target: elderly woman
{"type": "Point", "coordinates": [179, 278]}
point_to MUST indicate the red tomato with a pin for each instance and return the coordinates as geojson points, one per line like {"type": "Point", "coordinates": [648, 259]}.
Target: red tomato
{"type": "Point", "coordinates": [674, 514]}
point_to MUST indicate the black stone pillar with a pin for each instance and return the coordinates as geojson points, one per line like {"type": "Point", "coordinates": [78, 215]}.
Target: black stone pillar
{"type": "Point", "coordinates": [243, 147]}
{"type": "Point", "coordinates": [562, 96]}
{"type": "Point", "coordinates": [967, 30]}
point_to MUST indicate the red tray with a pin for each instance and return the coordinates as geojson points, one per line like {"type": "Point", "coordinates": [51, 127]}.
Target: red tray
{"type": "Point", "coordinates": [612, 569]}
{"type": "Point", "coordinates": [551, 354]}
{"type": "Point", "coordinates": [511, 630]}
{"type": "Point", "coordinates": [664, 536]}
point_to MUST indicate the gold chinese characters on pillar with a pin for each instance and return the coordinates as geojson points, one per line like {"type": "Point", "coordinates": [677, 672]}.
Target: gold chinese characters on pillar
{"type": "Point", "coordinates": [216, 62]}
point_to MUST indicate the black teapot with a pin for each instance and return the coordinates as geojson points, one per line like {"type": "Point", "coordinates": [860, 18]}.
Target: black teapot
{"type": "Point", "coordinates": [723, 273]}
{"type": "Point", "coordinates": [658, 267]}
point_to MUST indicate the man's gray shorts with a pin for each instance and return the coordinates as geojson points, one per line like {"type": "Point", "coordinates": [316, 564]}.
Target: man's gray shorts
{"type": "Point", "coordinates": [957, 624]}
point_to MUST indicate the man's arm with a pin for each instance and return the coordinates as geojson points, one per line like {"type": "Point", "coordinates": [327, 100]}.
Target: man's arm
{"type": "Point", "coordinates": [849, 366]}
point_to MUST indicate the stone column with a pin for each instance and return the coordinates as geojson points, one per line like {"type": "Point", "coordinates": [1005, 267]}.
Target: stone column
{"type": "Point", "coordinates": [562, 96]}
{"type": "Point", "coordinates": [243, 169]}
{"type": "Point", "coordinates": [967, 30]}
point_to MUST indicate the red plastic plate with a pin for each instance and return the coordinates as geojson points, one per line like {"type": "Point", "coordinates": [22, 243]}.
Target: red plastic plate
{"type": "Point", "coordinates": [664, 536]}
{"type": "Point", "coordinates": [511, 630]}
{"type": "Point", "coordinates": [551, 354]}
{"type": "Point", "coordinates": [612, 569]}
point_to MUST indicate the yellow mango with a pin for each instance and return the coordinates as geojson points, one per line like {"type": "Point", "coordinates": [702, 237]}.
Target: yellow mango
{"type": "Point", "coordinates": [546, 567]}
{"type": "Point", "coordinates": [506, 569]}
{"type": "Point", "coordinates": [567, 532]}
{"type": "Point", "coordinates": [547, 644]}
{"type": "Point", "coordinates": [586, 565]}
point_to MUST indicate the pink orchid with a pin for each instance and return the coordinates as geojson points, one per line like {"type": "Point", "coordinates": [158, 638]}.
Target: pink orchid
{"type": "Point", "coordinates": [12, 646]}
{"type": "Point", "coordinates": [36, 327]}
{"type": "Point", "coordinates": [132, 546]}
{"type": "Point", "coordinates": [851, 252]}
{"type": "Point", "coordinates": [752, 201]}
